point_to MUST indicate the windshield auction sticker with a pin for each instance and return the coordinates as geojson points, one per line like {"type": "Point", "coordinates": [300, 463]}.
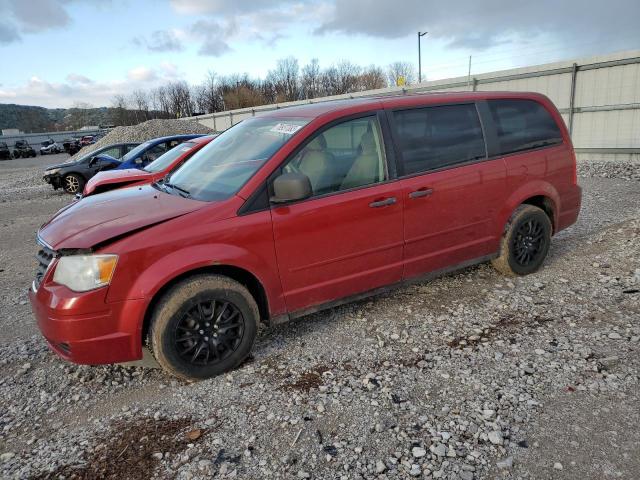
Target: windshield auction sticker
{"type": "Point", "coordinates": [287, 128]}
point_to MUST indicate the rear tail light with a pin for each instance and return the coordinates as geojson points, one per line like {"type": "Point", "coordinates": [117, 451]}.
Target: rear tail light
{"type": "Point", "coordinates": [575, 167]}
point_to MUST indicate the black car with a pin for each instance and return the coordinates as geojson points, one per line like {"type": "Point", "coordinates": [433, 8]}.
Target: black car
{"type": "Point", "coordinates": [5, 154]}
{"type": "Point", "coordinates": [71, 176]}
{"type": "Point", "coordinates": [71, 145]}
{"type": "Point", "coordinates": [23, 149]}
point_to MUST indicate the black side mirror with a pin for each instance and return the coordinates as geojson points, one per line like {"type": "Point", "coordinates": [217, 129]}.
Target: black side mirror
{"type": "Point", "coordinates": [93, 161]}
{"type": "Point", "coordinates": [291, 186]}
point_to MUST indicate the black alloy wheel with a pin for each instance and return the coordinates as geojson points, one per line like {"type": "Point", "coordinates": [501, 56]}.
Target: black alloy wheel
{"type": "Point", "coordinates": [203, 326]}
{"type": "Point", "coordinates": [529, 242]}
{"type": "Point", "coordinates": [525, 242]}
{"type": "Point", "coordinates": [209, 332]}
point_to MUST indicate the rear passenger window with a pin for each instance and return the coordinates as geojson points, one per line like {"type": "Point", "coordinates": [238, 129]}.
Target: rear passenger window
{"type": "Point", "coordinates": [436, 137]}
{"type": "Point", "coordinates": [523, 124]}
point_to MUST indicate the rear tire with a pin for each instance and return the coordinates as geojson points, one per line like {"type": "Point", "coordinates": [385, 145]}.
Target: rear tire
{"type": "Point", "coordinates": [525, 242]}
{"type": "Point", "coordinates": [73, 183]}
{"type": "Point", "coordinates": [204, 326]}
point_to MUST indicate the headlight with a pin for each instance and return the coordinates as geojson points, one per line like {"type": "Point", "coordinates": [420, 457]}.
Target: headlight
{"type": "Point", "coordinates": [52, 172]}
{"type": "Point", "coordinates": [85, 272]}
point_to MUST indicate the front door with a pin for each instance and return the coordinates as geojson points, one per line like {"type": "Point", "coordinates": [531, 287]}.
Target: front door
{"type": "Point", "coordinates": [451, 192]}
{"type": "Point", "coordinates": [347, 238]}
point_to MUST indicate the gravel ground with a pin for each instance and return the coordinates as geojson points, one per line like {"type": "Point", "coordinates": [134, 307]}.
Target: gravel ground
{"type": "Point", "coordinates": [145, 131]}
{"type": "Point", "coordinates": [471, 376]}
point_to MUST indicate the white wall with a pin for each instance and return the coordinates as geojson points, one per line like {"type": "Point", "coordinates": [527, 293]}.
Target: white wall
{"type": "Point", "coordinates": [606, 108]}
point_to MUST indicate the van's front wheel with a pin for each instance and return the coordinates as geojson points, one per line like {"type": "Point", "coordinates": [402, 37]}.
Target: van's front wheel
{"type": "Point", "coordinates": [525, 242]}
{"type": "Point", "coordinates": [204, 326]}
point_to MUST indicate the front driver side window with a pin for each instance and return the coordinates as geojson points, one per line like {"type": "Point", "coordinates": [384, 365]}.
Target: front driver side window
{"type": "Point", "coordinates": [345, 156]}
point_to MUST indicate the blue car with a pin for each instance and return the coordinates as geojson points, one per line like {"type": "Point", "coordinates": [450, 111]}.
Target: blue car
{"type": "Point", "coordinates": [147, 152]}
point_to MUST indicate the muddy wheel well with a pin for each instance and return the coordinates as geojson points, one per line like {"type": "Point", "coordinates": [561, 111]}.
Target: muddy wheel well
{"type": "Point", "coordinates": [240, 275]}
{"type": "Point", "coordinates": [546, 204]}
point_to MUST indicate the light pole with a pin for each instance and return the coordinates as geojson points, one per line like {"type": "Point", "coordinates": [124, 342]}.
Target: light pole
{"type": "Point", "coordinates": [420, 35]}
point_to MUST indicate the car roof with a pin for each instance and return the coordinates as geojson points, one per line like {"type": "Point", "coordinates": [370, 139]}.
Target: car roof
{"type": "Point", "coordinates": [174, 137]}
{"type": "Point", "coordinates": [314, 110]}
{"type": "Point", "coordinates": [204, 139]}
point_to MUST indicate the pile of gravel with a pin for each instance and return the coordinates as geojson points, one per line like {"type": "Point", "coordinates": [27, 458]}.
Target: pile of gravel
{"type": "Point", "coordinates": [619, 169]}
{"type": "Point", "coordinates": [145, 131]}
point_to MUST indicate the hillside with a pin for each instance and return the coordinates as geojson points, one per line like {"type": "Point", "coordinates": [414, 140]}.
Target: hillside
{"type": "Point", "coordinates": [39, 119]}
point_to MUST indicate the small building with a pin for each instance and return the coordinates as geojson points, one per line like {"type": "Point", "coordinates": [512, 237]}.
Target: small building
{"type": "Point", "coordinates": [90, 127]}
{"type": "Point", "coordinates": [8, 132]}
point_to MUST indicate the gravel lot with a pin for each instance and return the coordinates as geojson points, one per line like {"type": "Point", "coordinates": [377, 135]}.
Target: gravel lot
{"type": "Point", "coordinates": [470, 376]}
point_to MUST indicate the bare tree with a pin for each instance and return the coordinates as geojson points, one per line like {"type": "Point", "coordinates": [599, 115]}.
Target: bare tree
{"type": "Point", "coordinates": [78, 115]}
{"type": "Point", "coordinates": [311, 80]}
{"type": "Point", "coordinates": [284, 79]}
{"type": "Point", "coordinates": [372, 78]}
{"type": "Point", "coordinates": [120, 114]}
{"type": "Point", "coordinates": [347, 76]}
{"type": "Point", "coordinates": [140, 101]}
{"type": "Point", "coordinates": [399, 71]}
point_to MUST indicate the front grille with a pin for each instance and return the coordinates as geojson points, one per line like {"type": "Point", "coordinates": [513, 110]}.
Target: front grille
{"type": "Point", "coordinates": [44, 258]}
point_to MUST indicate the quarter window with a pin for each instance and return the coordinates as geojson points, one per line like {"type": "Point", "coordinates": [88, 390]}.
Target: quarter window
{"type": "Point", "coordinates": [348, 155]}
{"type": "Point", "coordinates": [436, 137]}
{"type": "Point", "coordinates": [522, 125]}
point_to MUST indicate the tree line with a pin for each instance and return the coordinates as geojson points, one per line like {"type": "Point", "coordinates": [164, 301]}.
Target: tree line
{"type": "Point", "coordinates": [286, 82]}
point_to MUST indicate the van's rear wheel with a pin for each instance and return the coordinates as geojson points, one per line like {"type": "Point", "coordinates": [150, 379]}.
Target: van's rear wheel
{"type": "Point", "coordinates": [204, 326]}
{"type": "Point", "coordinates": [525, 243]}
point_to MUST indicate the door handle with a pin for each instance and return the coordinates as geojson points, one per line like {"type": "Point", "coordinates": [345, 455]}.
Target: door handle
{"type": "Point", "coordinates": [423, 192]}
{"type": "Point", "coordinates": [383, 203]}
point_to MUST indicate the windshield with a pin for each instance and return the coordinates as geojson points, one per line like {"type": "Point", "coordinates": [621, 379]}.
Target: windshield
{"type": "Point", "coordinates": [219, 169]}
{"type": "Point", "coordinates": [136, 151]}
{"type": "Point", "coordinates": [164, 161]}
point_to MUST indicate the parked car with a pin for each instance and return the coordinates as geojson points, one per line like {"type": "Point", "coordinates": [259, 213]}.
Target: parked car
{"type": "Point", "coordinates": [87, 140]}
{"type": "Point", "coordinates": [149, 151]}
{"type": "Point", "coordinates": [23, 149]}
{"type": "Point", "coordinates": [50, 147]}
{"type": "Point", "coordinates": [72, 175]}
{"type": "Point", "coordinates": [5, 153]}
{"type": "Point", "coordinates": [301, 209]}
{"type": "Point", "coordinates": [155, 171]}
{"type": "Point", "coordinates": [71, 145]}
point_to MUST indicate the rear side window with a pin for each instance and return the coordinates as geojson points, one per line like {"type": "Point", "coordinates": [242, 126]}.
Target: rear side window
{"type": "Point", "coordinates": [522, 125]}
{"type": "Point", "coordinates": [436, 137]}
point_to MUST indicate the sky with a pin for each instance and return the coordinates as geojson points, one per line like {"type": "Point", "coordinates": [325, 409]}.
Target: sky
{"type": "Point", "coordinates": [57, 53]}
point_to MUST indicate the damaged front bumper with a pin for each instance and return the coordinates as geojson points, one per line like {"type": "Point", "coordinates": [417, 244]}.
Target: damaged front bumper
{"type": "Point", "coordinates": [54, 180]}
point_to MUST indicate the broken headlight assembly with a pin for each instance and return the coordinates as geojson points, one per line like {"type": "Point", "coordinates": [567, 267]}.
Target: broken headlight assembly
{"type": "Point", "coordinates": [82, 273]}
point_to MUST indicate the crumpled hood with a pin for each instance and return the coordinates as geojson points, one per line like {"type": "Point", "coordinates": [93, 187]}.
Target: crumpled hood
{"type": "Point", "coordinates": [60, 165]}
{"type": "Point", "coordinates": [115, 177]}
{"type": "Point", "coordinates": [98, 218]}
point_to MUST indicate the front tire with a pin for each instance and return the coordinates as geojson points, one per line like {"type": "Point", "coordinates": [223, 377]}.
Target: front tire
{"type": "Point", "coordinates": [73, 183]}
{"type": "Point", "coordinates": [525, 242]}
{"type": "Point", "coordinates": [204, 326]}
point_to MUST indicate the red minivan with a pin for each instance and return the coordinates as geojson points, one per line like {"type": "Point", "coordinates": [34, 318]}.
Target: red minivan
{"type": "Point", "coordinates": [155, 171]}
{"type": "Point", "coordinates": [301, 209]}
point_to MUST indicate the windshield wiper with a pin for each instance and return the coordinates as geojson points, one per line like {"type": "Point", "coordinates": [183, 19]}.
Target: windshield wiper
{"type": "Point", "coordinates": [183, 193]}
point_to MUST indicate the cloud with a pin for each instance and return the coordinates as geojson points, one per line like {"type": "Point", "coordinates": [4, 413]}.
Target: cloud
{"type": "Point", "coordinates": [199, 7]}
{"type": "Point", "coordinates": [479, 25]}
{"type": "Point", "coordinates": [80, 88]}
{"type": "Point", "coordinates": [8, 34]}
{"type": "Point", "coordinates": [214, 36]}
{"type": "Point", "coordinates": [142, 74]}
{"type": "Point", "coordinates": [75, 78]}
{"type": "Point", "coordinates": [35, 16]}
{"type": "Point", "coordinates": [162, 41]}
{"type": "Point", "coordinates": [38, 15]}
{"type": "Point", "coordinates": [221, 23]}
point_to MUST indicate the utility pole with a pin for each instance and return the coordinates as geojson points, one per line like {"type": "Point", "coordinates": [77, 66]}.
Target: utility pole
{"type": "Point", "coordinates": [420, 35]}
{"type": "Point", "coordinates": [469, 76]}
